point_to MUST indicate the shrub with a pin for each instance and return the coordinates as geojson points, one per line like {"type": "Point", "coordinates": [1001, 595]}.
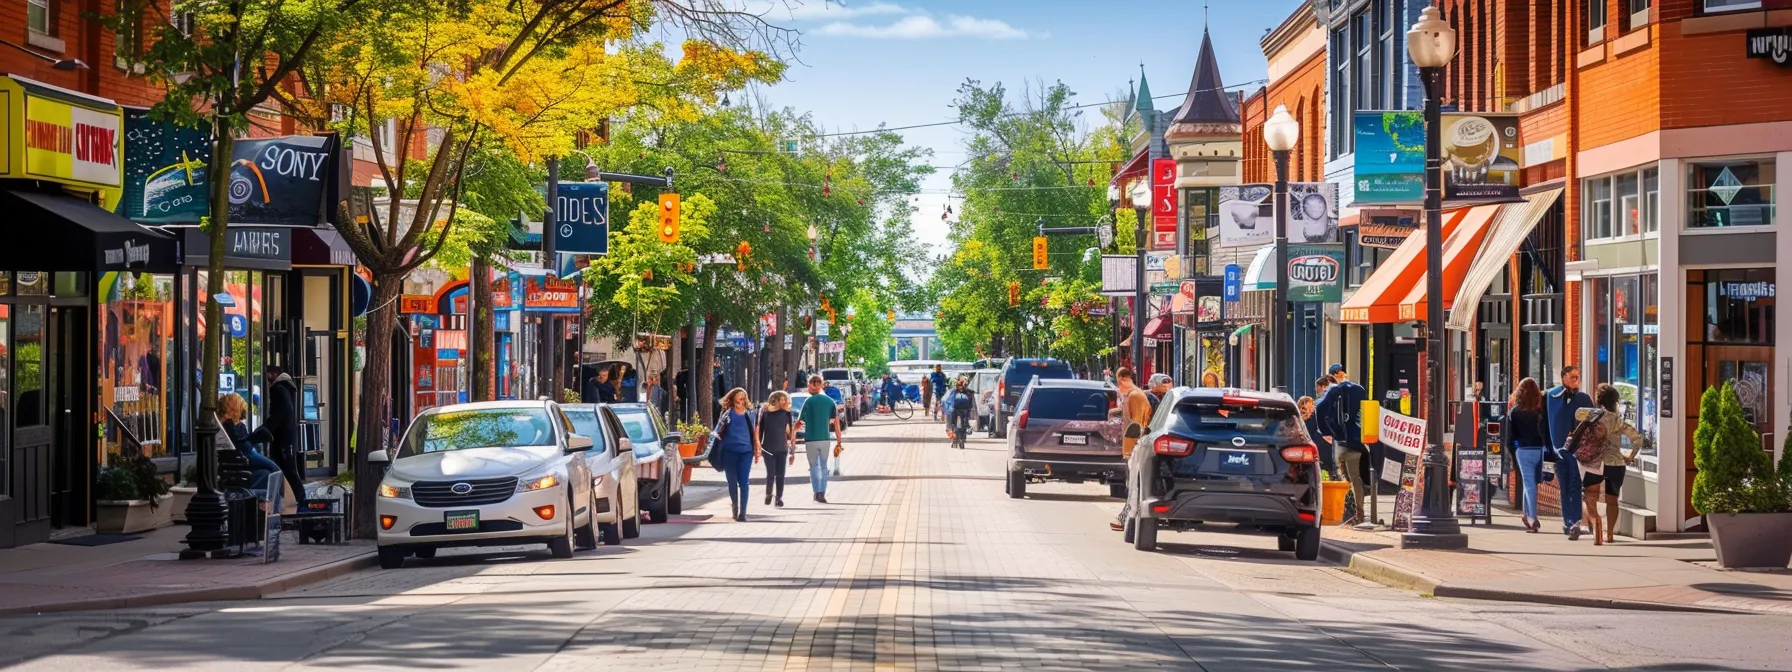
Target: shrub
{"type": "Point", "coordinates": [190, 477]}
{"type": "Point", "coordinates": [129, 477]}
{"type": "Point", "coordinates": [1735, 475]}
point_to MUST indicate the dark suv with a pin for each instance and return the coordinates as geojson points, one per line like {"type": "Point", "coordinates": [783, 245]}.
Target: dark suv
{"type": "Point", "coordinates": [1226, 455]}
{"type": "Point", "coordinates": [1016, 373]}
{"type": "Point", "coordinates": [1064, 430]}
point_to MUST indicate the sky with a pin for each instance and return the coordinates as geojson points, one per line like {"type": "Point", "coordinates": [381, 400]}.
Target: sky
{"type": "Point", "coordinates": [900, 62]}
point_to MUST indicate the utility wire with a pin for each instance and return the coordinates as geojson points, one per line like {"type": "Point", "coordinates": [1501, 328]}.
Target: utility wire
{"type": "Point", "coordinates": [1017, 114]}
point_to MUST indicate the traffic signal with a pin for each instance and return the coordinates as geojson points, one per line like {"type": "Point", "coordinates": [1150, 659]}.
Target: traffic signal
{"type": "Point", "coordinates": [1039, 253]}
{"type": "Point", "coordinates": [890, 314]}
{"type": "Point", "coordinates": [669, 218]}
{"type": "Point", "coordinates": [1014, 295]}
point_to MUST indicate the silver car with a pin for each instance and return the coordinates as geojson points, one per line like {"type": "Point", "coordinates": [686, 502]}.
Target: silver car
{"type": "Point", "coordinates": [659, 470]}
{"type": "Point", "coordinates": [485, 474]}
{"type": "Point", "coordinates": [612, 460]}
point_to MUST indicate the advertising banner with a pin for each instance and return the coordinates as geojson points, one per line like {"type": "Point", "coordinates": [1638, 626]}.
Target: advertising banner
{"type": "Point", "coordinates": [281, 181]}
{"type": "Point", "coordinates": [284, 181]}
{"type": "Point", "coordinates": [1164, 205]}
{"type": "Point", "coordinates": [1402, 432]}
{"type": "Point", "coordinates": [1315, 272]}
{"type": "Point", "coordinates": [60, 136]}
{"type": "Point", "coordinates": [1248, 214]}
{"type": "Point", "coordinates": [164, 170]}
{"type": "Point", "coordinates": [1481, 155]}
{"type": "Point", "coordinates": [1390, 157]}
{"type": "Point", "coordinates": [1312, 212]}
{"type": "Point", "coordinates": [582, 218]}
{"type": "Point", "coordinates": [542, 294]}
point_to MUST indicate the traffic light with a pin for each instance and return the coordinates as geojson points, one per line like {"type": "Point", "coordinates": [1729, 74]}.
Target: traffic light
{"type": "Point", "coordinates": [890, 314]}
{"type": "Point", "coordinates": [1039, 253]}
{"type": "Point", "coordinates": [669, 218]}
{"type": "Point", "coordinates": [1013, 294]}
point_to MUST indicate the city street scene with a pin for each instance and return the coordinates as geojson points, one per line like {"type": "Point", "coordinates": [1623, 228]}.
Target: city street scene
{"type": "Point", "coordinates": [895, 335]}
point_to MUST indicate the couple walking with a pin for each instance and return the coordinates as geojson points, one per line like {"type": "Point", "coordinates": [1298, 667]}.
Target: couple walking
{"type": "Point", "coordinates": [1542, 424]}
{"type": "Point", "coordinates": [744, 437]}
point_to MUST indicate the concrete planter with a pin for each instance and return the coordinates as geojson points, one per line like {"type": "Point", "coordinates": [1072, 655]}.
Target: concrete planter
{"type": "Point", "coordinates": [177, 507]}
{"type": "Point", "coordinates": [132, 516]}
{"type": "Point", "coordinates": [1751, 539]}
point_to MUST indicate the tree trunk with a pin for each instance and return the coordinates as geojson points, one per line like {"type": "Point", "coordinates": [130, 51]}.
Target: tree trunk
{"type": "Point", "coordinates": [794, 356]}
{"type": "Point", "coordinates": [703, 375]}
{"type": "Point", "coordinates": [669, 379]}
{"type": "Point", "coordinates": [211, 351]}
{"type": "Point", "coordinates": [775, 354]}
{"type": "Point", "coordinates": [376, 400]}
{"type": "Point", "coordinates": [484, 341]}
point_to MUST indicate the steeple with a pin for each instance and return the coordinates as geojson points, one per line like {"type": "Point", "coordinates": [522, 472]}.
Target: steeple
{"type": "Point", "coordinates": [1207, 102]}
{"type": "Point", "coordinates": [1142, 99]}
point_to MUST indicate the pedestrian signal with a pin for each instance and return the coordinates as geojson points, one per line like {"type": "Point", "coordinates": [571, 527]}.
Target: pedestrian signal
{"type": "Point", "coordinates": [1039, 253]}
{"type": "Point", "coordinates": [669, 218]}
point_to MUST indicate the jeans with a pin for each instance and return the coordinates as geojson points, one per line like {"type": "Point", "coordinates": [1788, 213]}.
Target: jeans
{"type": "Point", "coordinates": [776, 464]}
{"type": "Point", "coordinates": [739, 469]}
{"type": "Point", "coordinates": [1568, 478]}
{"type": "Point", "coordinates": [260, 467]}
{"type": "Point", "coordinates": [288, 461]}
{"type": "Point", "coordinates": [1351, 463]}
{"type": "Point", "coordinates": [818, 452]}
{"type": "Point", "coordinates": [1530, 469]}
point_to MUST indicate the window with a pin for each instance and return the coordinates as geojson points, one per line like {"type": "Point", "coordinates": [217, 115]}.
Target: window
{"type": "Point", "coordinates": [1388, 14]}
{"type": "Point", "coordinates": [1625, 204]}
{"type": "Point", "coordinates": [1342, 119]}
{"type": "Point", "coordinates": [389, 140]}
{"type": "Point", "coordinates": [5, 389]}
{"type": "Point", "coordinates": [1626, 345]}
{"type": "Point", "coordinates": [1716, 6]}
{"type": "Point", "coordinates": [37, 17]}
{"type": "Point", "coordinates": [182, 21]}
{"type": "Point", "coordinates": [1596, 215]}
{"type": "Point", "coordinates": [1730, 193]}
{"type": "Point", "coordinates": [28, 338]}
{"type": "Point", "coordinates": [1360, 259]}
{"type": "Point", "coordinates": [1739, 306]}
{"type": "Point", "coordinates": [1651, 200]}
{"type": "Point", "coordinates": [1595, 21]}
{"type": "Point", "coordinates": [136, 333]}
{"type": "Point", "coordinates": [1630, 210]}
{"type": "Point", "coordinates": [1639, 13]}
{"type": "Point", "coordinates": [1365, 61]}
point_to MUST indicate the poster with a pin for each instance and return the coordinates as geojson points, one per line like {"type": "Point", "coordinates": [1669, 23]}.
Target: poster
{"type": "Point", "coordinates": [1481, 155]}
{"type": "Point", "coordinates": [1315, 272]}
{"type": "Point", "coordinates": [281, 181]}
{"type": "Point", "coordinates": [1247, 215]}
{"type": "Point", "coordinates": [1390, 158]}
{"type": "Point", "coordinates": [164, 170]}
{"type": "Point", "coordinates": [1406, 500]}
{"type": "Point", "coordinates": [1164, 206]}
{"type": "Point", "coordinates": [1312, 212]}
{"type": "Point", "coordinates": [1480, 151]}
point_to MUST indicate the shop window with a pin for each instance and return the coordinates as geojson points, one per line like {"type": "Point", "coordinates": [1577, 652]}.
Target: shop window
{"type": "Point", "coordinates": [240, 370]}
{"type": "Point", "coordinates": [37, 17]}
{"type": "Point", "coordinates": [69, 285]}
{"type": "Point", "coordinates": [1626, 341]}
{"type": "Point", "coordinates": [137, 332]}
{"type": "Point", "coordinates": [1595, 20]}
{"type": "Point", "coordinates": [1739, 306]}
{"type": "Point", "coordinates": [5, 283]}
{"type": "Point", "coordinates": [1365, 61]}
{"type": "Point", "coordinates": [32, 283]}
{"type": "Point", "coordinates": [28, 366]}
{"type": "Point", "coordinates": [1630, 204]}
{"type": "Point", "coordinates": [1651, 200]}
{"type": "Point", "coordinates": [1720, 6]}
{"type": "Point", "coordinates": [5, 395]}
{"type": "Point", "coordinates": [1730, 193]}
{"type": "Point", "coordinates": [1596, 215]}
{"type": "Point", "coordinates": [1625, 204]}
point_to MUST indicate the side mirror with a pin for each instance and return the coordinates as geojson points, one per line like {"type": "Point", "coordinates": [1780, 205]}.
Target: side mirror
{"type": "Point", "coordinates": [379, 457]}
{"type": "Point", "coordinates": [577, 443]}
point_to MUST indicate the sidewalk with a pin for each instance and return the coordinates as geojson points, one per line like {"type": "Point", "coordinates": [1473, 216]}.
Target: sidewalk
{"type": "Point", "coordinates": [146, 572]}
{"type": "Point", "coordinates": [1506, 563]}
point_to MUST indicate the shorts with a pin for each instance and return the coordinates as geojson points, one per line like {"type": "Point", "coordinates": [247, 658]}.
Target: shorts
{"type": "Point", "coordinates": [1614, 479]}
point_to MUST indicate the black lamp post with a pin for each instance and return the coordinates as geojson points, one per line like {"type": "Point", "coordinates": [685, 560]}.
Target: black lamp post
{"type": "Point", "coordinates": [1432, 44]}
{"type": "Point", "coordinates": [546, 379]}
{"type": "Point", "coordinates": [1141, 205]}
{"type": "Point", "coordinates": [1281, 133]}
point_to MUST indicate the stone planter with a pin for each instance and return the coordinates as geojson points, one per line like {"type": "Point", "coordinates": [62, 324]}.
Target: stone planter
{"type": "Point", "coordinates": [1751, 539]}
{"type": "Point", "coordinates": [132, 516]}
{"type": "Point", "coordinates": [177, 506]}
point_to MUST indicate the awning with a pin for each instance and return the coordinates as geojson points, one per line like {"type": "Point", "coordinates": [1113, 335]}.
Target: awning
{"type": "Point", "coordinates": [1508, 232]}
{"type": "Point", "coordinates": [1459, 253]}
{"type": "Point", "coordinates": [1132, 168]}
{"type": "Point", "coordinates": [1377, 301]}
{"type": "Point", "coordinates": [1159, 327]}
{"type": "Point", "coordinates": [321, 247]}
{"type": "Point", "coordinates": [1253, 275]}
{"type": "Point", "coordinates": [58, 232]}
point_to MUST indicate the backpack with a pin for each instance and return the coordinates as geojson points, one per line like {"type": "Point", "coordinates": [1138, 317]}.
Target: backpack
{"type": "Point", "coordinates": [1587, 442]}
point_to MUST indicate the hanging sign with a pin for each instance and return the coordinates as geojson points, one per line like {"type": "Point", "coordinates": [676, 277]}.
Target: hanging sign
{"type": "Point", "coordinates": [1234, 287]}
{"type": "Point", "coordinates": [281, 181]}
{"type": "Point", "coordinates": [413, 304]}
{"type": "Point", "coordinates": [236, 324]}
{"type": "Point", "coordinates": [1665, 379]}
{"type": "Point", "coordinates": [1164, 206]}
{"type": "Point", "coordinates": [1402, 432]}
{"type": "Point", "coordinates": [1316, 273]}
{"type": "Point", "coordinates": [1390, 157]}
{"type": "Point", "coordinates": [1481, 157]}
{"type": "Point", "coordinates": [582, 218]}
{"type": "Point", "coordinates": [550, 295]}
{"type": "Point", "coordinates": [164, 169]}
{"type": "Point", "coordinates": [1773, 44]}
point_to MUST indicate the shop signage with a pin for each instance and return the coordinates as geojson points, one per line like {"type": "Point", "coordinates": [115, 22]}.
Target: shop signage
{"type": "Point", "coordinates": [1315, 273]}
{"type": "Point", "coordinates": [125, 255]}
{"type": "Point", "coordinates": [501, 299]}
{"type": "Point", "coordinates": [164, 170]}
{"type": "Point", "coordinates": [449, 354]}
{"type": "Point", "coordinates": [1184, 301]}
{"type": "Point", "coordinates": [244, 247]}
{"type": "Point", "coordinates": [1746, 291]}
{"type": "Point", "coordinates": [1385, 232]}
{"type": "Point", "coordinates": [1773, 44]}
{"type": "Point", "coordinates": [1402, 432]}
{"type": "Point", "coordinates": [550, 295]}
{"type": "Point", "coordinates": [282, 181]}
{"type": "Point", "coordinates": [1164, 206]}
{"type": "Point", "coordinates": [1165, 288]}
{"type": "Point", "coordinates": [236, 324]}
{"type": "Point", "coordinates": [1248, 214]}
{"type": "Point", "coordinates": [1481, 154]}
{"type": "Point", "coordinates": [501, 320]}
{"type": "Point", "coordinates": [416, 304]}
{"type": "Point", "coordinates": [582, 218]}
{"type": "Point", "coordinates": [1390, 157]}
{"type": "Point", "coordinates": [1234, 279]}
{"type": "Point", "coordinates": [62, 136]}
{"type": "Point", "coordinates": [1665, 379]}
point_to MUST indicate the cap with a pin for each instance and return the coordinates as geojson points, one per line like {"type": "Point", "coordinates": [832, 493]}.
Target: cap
{"type": "Point", "coordinates": [1336, 369]}
{"type": "Point", "coordinates": [1158, 378]}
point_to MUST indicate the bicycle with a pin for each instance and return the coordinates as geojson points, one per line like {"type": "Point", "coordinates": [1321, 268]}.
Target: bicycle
{"type": "Point", "coordinates": [900, 407]}
{"type": "Point", "coordinates": [961, 428]}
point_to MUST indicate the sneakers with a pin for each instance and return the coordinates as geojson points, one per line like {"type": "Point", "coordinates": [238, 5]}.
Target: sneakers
{"type": "Point", "coordinates": [779, 503]}
{"type": "Point", "coordinates": [821, 498]}
{"type": "Point", "coordinates": [768, 499]}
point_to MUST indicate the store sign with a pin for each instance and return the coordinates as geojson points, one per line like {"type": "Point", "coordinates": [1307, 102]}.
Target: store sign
{"type": "Point", "coordinates": [1315, 273]}
{"type": "Point", "coordinates": [1164, 205]}
{"type": "Point", "coordinates": [1773, 44]}
{"type": "Point", "coordinates": [1390, 157]}
{"type": "Point", "coordinates": [1402, 432]}
{"type": "Point", "coordinates": [1746, 291]}
{"type": "Point", "coordinates": [281, 181]}
{"type": "Point", "coordinates": [501, 298]}
{"type": "Point", "coordinates": [1481, 156]}
{"type": "Point", "coordinates": [582, 218]}
{"type": "Point", "coordinates": [416, 304]}
{"type": "Point", "coordinates": [1234, 279]}
{"type": "Point", "coordinates": [550, 295]}
{"type": "Point", "coordinates": [61, 136]}
{"type": "Point", "coordinates": [164, 170]}
{"type": "Point", "coordinates": [1665, 379]}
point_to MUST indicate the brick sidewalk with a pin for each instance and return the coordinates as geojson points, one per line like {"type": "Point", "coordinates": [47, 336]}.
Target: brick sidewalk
{"type": "Point", "coordinates": [1506, 563]}
{"type": "Point", "coordinates": [146, 572]}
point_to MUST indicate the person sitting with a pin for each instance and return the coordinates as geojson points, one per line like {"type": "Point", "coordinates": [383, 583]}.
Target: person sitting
{"type": "Point", "coordinates": [232, 412]}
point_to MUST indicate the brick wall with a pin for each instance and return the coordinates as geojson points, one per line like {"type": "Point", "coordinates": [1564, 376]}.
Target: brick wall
{"type": "Point", "coordinates": [82, 39]}
{"type": "Point", "coordinates": [1302, 90]}
{"type": "Point", "coordinates": [1256, 167]}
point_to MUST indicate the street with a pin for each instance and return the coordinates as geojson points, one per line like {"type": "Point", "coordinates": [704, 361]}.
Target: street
{"type": "Point", "coordinates": [919, 562]}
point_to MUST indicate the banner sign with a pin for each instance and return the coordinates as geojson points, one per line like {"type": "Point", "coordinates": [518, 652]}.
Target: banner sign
{"type": "Point", "coordinates": [61, 136]}
{"type": "Point", "coordinates": [281, 181]}
{"type": "Point", "coordinates": [414, 304]}
{"type": "Point", "coordinates": [1234, 278]}
{"type": "Point", "coordinates": [1481, 154]}
{"type": "Point", "coordinates": [1312, 212]}
{"type": "Point", "coordinates": [284, 181]}
{"type": "Point", "coordinates": [550, 295]}
{"type": "Point", "coordinates": [1164, 206]}
{"type": "Point", "coordinates": [1247, 215]}
{"type": "Point", "coordinates": [1773, 44]}
{"type": "Point", "coordinates": [1402, 432]}
{"type": "Point", "coordinates": [1315, 272]}
{"type": "Point", "coordinates": [582, 218]}
{"type": "Point", "coordinates": [1390, 157]}
{"type": "Point", "coordinates": [164, 170]}
{"type": "Point", "coordinates": [1481, 157]}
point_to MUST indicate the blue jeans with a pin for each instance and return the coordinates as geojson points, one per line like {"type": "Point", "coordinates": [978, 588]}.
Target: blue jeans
{"type": "Point", "coordinates": [1530, 469]}
{"type": "Point", "coordinates": [818, 452]}
{"type": "Point", "coordinates": [1568, 477]}
{"type": "Point", "coordinates": [260, 467]}
{"type": "Point", "coordinates": [738, 467]}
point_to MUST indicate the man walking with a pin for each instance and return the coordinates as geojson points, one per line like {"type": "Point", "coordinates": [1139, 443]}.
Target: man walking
{"type": "Point", "coordinates": [939, 390]}
{"type": "Point", "coordinates": [1560, 404]}
{"type": "Point", "coordinates": [1134, 406]}
{"type": "Point", "coordinates": [1341, 420]}
{"type": "Point", "coordinates": [279, 430]}
{"type": "Point", "coordinates": [819, 423]}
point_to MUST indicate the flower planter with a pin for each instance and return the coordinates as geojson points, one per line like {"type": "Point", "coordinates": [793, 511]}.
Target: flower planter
{"type": "Point", "coordinates": [1751, 539]}
{"type": "Point", "coordinates": [687, 451]}
{"type": "Point", "coordinates": [132, 516]}
{"type": "Point", "coordinates": [1332, 494]}
{"type": "Point", "coordinates": [177, 506]}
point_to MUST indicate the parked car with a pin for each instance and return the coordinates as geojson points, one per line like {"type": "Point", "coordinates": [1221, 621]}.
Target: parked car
{"type": "Point", "coordinates": [1015, 375]}
{"type": "Point", "coordinates": [1226, 455]}
{"type": "Point", "coordinates": [983, 388]}
{"type": "Point", "coordinates": [865, 386]}
{"type": "Point", "coordinates": [851, 388]}
{"type": "Point", "coordinates": [612, 459]}
{"type": "Point", "coordinates": [1063, 430]}
{"type": "Point", "coordinates": [659, 470]}
{"type": "Point", "coordinates": [486, 474]}
{"type": "Point", "coordinates": [842, 410]}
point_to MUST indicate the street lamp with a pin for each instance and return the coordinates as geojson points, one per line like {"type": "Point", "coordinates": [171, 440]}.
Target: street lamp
{"type": "Point", "coordinates": [1432, 44]}
{"type": "Point", "coordinates": [1141, 204]}
{"type": "Point", "coordinates": [1281, 133]}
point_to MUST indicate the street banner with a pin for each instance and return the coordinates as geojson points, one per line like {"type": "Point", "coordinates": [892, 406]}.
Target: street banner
{"type": "Point", "coordinates": [1312, 212]}
{"type": "Point", "coordinates": [164, 170]}
{"type": "Point", "coordinates": [1480, 151]}
{"type": "Point", "coordinates": [1481, 157]}
{"type": "Point", "coordinates": [1234, 278]}
{"type": "Point", "coordinates": [1402, 432]}
{"type": "Point", "coordinates": [582, 218]}
{"type": "Point", "coordinates": [1315, 272]}
{"type": "Point", "coordinates": [1164, 205]}
{"type": "Point", "coordinates": [282, 181]}
{"type": "Point", "coordinates": [1390, 158]}
{"type": "Point", "coordinates": [1247, 215]}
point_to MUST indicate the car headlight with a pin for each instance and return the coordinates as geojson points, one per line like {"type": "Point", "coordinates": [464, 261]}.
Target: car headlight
{"type": "Point", "coordinates": [395, 491]}
{"type": "Point", "coordinates": [541, 483]}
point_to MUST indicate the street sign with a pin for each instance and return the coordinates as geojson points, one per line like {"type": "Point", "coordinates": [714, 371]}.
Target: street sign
{"type": "Point", "coordinates": [237, 324]}
{"type": "Point", "coordinates": [1119, 274]}
{"type": "Point", "coordinates": [582, 218]}
{"type": "Point", "coordinates": [1234, 282]}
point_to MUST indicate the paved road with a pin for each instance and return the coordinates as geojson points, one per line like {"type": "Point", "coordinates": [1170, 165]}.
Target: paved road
{"type": "Point", "coordinates": [920, 562]}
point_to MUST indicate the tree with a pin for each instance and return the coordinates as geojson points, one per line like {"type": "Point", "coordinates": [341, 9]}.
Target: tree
{"type": "Point", "coordinates": [1735, 475]}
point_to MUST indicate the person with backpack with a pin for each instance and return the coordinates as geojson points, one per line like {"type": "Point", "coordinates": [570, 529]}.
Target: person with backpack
{"type": "Point", "coordinates": [1529, 431]}
{"type": "Point", "coordinates": [1598, 445]}
{"type": "Point", "coordinates": [738, 446]}
{"type": "Point", "coordinates": [1340, 414]}
{"type": "Point", "coordinates": [1561, 403]}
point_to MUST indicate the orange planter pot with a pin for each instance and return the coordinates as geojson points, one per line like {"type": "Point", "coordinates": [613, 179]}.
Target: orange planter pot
{"type": "Point", "coordinates": [687, 451]}
{"type": "Point", "coordinates": [1332, 495]}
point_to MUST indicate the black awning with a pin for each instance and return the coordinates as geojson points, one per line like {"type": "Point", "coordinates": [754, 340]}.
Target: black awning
{"type": "Point", "coordinates": [57, 232]}
{"type": "Point", "coordinates": [321, 247]}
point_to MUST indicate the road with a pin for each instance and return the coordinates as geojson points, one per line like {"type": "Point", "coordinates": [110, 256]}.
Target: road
{"type": "Point", "coordinates": [919, 562]}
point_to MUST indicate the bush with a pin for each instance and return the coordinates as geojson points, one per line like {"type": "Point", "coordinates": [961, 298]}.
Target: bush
{"type": "Point", "coordinates": [129, 477]}
{"type": "Point", "coordinates": [190, 477]}
{"type": "Point", "coordinates": [1735, 475]}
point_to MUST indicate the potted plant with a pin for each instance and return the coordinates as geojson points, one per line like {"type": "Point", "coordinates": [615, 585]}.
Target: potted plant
{"type": "Point", "coordinates": [1334, 499]}
{"type": "Point", "coordinates": [1746, 504]}
{"type": "Point", "coordinates": [694, 437]}
{"type": "Point", "coordinates": [130, 496]}
{"type": "Point", "coordinates": [182, 493]}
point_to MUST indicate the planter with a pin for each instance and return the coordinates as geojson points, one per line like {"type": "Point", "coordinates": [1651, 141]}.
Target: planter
{"type": "Point", "coordinates": [132, 516]}
{"type": "Point", "coordinates": [177, 506]}
{"type": "Point", "coordinates": [1751, 539]}
{"type": "Point", "coordinates": [1332, 495]}
{"type": "Point", "coordinates": [687, 451]}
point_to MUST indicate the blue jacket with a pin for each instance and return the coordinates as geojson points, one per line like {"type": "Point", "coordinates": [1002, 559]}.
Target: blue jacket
{"type": "Point", "coordinates": [1560, 405]}
{"type": "Point", "coordinates": [1340, 413]}
{"type": "Point", "coordinates": [939, 382]}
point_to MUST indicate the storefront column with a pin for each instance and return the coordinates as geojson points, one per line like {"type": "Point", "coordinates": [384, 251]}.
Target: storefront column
{"type": "Point", "coordinates": [1671, 448]}
{"type": "Point", "coordinates": [1782, 356]}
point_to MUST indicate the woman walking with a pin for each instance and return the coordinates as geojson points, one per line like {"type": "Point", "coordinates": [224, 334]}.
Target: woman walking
{"type": "Point", "coordinates": [777, 433]}
{"type": "Point", "coordinates": [1530, 438]}
{"type": "Point", "coordinates": [1606, 472]}
{"type": "Point", "coordinates": [739, 446]}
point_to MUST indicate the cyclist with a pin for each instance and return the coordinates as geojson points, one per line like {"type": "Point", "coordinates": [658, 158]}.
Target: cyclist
{"type": "Point", "coordinates": [959, 413]}
{"type": "Point", "coordinates": [891, 392]}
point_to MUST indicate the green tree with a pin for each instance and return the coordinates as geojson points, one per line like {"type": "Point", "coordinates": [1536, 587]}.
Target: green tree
{"type": "Point", "coordinates": [1735, 475]}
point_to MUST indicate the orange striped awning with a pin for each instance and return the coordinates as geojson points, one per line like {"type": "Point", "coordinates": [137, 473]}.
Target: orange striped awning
{"type": "Point", "coordinates": [1378, 300]}
{"type": "Point", "coordinates": [1459, 254]}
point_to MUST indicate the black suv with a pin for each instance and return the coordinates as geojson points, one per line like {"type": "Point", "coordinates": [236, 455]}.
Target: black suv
{"type": "Point", "coordinates": [1016, 373]}
{"type": "Point", "coordinates": [1066, 430]}
{"type": "Point", "coordinates": [1226, 455]}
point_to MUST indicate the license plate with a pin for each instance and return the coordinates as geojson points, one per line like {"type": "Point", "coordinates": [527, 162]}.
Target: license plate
{"type": "Point", "coordinates": [1238, 462]}
{"type": "Point", "coordinates": [462, 521]}
{"type": "Point", "coordinates": [1073, 439]}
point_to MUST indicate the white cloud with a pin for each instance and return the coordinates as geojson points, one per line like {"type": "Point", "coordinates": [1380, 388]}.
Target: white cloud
{"type": "Point", "coordinates": [833, 9]}
{"type": "Point", "coordinates": [926, 27]}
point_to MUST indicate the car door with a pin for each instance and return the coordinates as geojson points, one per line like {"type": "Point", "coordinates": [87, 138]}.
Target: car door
{"type": "Point", "coordinates": [625, 462]}
{"type": "Point", "coordinates": [578, 469]}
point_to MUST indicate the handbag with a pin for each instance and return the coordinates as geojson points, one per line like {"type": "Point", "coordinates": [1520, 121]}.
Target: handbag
{"type": "Point", "coordinates": [713, 450]}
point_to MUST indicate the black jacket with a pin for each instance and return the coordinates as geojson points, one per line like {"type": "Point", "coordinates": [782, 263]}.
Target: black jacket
{"type": "Point", "coordinates": [280, 426]}
{"type": "Point", "coordinates": [1340, 414]}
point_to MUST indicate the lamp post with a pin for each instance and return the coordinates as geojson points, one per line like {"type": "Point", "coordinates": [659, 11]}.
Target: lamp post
{"type": "Point", "coordinates": [1281, 133]}
{"type": "Point", "coordinates": [1141, 204]}
{"type": "Point", "coordinates": [1432, 44]}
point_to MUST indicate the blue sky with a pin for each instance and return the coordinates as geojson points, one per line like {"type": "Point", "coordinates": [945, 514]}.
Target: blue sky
{"type": "Point", "coordinates": [900, 62]}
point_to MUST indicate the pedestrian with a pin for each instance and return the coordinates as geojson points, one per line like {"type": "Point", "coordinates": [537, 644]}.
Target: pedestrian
{"type": "Point", "coordinates": [939, 391]}
{"type": "Point", "coordinates": [656, 393]}
{"type": "Point", "coordinates": [232, 410]}
{"type": "Point", "coordinates": [1309, 416]}
{"type": "Point", "coordinates": [958, 413]}
{"type": "Point", "coordinates": [1529, 429]}
{"type": "Point", "coordinates": [1133, 407]}
{"type": "Point", "coordinates": [1341, 422]}
{"type": "Point", "coordinates": [1561, 403]}
{"type": "Point", "coordinates": [1606, 471]}
{"type": "Point", "coordinates": [279, 430]}
{"type": "Point", "coordinates": [777, 433]}
{"type": "Point", "coordinates": [739, 445]}
{"type": "Point", "coordinates": [1159, 388]}
{"type": "Point", "coordinates": [818, 423]}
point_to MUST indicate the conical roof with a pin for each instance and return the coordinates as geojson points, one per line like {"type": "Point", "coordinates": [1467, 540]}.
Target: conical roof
{"type": "Point", "coordinates": [1207, 102]}
{"type": "Point", "coordinates": [1142, 99]}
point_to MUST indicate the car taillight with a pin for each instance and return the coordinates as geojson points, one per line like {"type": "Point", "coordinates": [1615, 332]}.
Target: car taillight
{"type": "Point", "coordinates": [1020, 421]}
{"type": "Point", "coordinates": [1002, 389]}
{"type": "Point", "coordinates": [1300, 454]}
{"type": "Point", "coordinates": [1239, 401]}
{"type": "Point", "coordinates": [1172, 446]}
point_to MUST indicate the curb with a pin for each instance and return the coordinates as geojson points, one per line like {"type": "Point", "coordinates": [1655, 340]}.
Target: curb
{"type": "Point", "coordinates": [1395, 576]}
{"type": "Point", "coordinates": [257, 591]}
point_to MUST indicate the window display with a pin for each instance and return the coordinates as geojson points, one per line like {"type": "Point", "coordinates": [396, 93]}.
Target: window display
{"type": "Point", "coordinates": [1730, 193]}
{"type": "Point", "coordinates": [1626, 343]}
{"type": "Point", "coordinates": [136, 331]}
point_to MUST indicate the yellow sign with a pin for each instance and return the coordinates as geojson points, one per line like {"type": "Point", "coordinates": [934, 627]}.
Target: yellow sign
{"type": "Point", "coordinates": [1039, 253]}
{"type": "Point", "coordinates": [1371, 422]}
{"type": "Point", "coordinates": [57, 135]}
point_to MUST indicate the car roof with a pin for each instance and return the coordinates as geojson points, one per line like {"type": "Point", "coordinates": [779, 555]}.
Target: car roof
{"type": "Point", "coordinates": [1034, 361]}
{"type": "Point", "coordinates": [626, 406]}
{"type": "Point", "coordinates": [490, 405]}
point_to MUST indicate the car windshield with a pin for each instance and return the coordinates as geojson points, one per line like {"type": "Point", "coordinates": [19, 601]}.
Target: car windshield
{"type": "Point", "coordinates": [1281, 424]}
{"type": "Point", "coordinates": [638, 426]}
{"type": "Point", "coordinates": [480, 428]}
{"type": "Point", "coordinates": [1049, 403]}
{"type": "Point", "coordinates": [1022, 372]}
{"type": "Point", "coordinates": [834, 374]}
{"type": "Point", "coordinates": [584, 423]}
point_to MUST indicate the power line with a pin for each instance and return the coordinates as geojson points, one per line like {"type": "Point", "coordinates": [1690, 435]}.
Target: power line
{"type": "Point", "coordinates": [955, 122]}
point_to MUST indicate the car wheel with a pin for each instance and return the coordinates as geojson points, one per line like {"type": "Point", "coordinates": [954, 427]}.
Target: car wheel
{"type": "Point", "coordinates": [1117, 490]}
{"type": "Point", "coordinates": [675, 503]}
{"type": "Point", "coordinates": [425, 553]}
{"type": "Point", "coordinates": [1144, 534]}
{"type": "Point", "coordinates": [561, 547]}
{"type": "Point", "coordinates": [1284, 542]}
{"type": "Point", "coordinates": [610, 533]}
{"type": "Point", "coordinates": [658, 507]}
{"type": "Point", "coordinates": [631, 526]}
{"type": "Point", "coordinates": [1017, 485]}
{"type": "Point", "coordinates": [587, 533]}
{"type": "Point", "coordinates": [391, 557]}
{"type": "Point", "coordinates": [1306, 547]}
